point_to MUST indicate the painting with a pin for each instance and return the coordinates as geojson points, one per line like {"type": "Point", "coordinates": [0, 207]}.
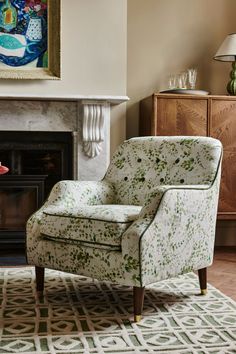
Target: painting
{"type": "Point", "coordinates": [30, 39]}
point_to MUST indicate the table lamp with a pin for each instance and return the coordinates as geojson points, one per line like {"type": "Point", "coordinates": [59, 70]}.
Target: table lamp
{"type": "Point", "coordinates": [227, 52]}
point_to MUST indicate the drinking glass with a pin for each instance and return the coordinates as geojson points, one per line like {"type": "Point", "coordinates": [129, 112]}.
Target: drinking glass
{"type": "Point", "coordinates": [172, 82]}
{"type": "Point", "coordinates": [179, 81]}
{"type": "Point", "coordinates": [184, 78]}
{"type": "Point", "coordinates": [192, 77]}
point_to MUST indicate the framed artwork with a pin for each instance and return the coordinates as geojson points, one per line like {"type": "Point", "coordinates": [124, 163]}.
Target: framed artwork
{"type": "Point", "coordinates": [30, 39]}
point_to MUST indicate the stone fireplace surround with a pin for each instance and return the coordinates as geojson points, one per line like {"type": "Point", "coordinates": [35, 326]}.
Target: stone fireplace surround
{"type": "Point", "coordinates": [86, 117]}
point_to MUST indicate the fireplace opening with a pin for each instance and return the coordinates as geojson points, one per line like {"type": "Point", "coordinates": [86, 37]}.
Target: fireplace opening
{"type": "Point", "coordinates": [36, 161]}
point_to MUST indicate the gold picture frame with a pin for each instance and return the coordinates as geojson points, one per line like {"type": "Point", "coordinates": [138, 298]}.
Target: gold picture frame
{"type": "Point", "coordinates": [53, 69]}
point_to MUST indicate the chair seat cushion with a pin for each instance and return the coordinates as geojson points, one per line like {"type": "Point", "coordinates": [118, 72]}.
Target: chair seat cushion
{"type": "Point", "coordinates": [99, 226]}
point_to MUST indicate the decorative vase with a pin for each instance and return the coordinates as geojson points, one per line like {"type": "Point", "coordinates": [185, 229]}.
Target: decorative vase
{"type": "Point", "coordinates": [34, 30]}
{"type": "Point", "coordinates": [3, 169]}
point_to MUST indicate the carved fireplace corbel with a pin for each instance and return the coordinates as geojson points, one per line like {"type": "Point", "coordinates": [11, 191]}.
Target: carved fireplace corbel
{"type": "Point", "coordinates": [93, 126]}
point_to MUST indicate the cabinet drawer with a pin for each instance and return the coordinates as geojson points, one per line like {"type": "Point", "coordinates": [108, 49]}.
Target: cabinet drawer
{"type": "Point", "coordinates": [223, 127]}
{"type": "Point", "coordinates": [180, 116]}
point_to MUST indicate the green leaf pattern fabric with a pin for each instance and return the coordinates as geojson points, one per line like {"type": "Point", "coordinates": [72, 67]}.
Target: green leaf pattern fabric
{"type": "Point", "coordinates": [152, 217]}
{"type": "Point", "coordinates": [95, 225]}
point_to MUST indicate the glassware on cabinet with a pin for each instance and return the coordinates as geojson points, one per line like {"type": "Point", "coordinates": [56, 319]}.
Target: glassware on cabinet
{"type": "Point", "coordinates": [184, 78]}
{"type": "Point", "coordinates": [192, 77]}
{"type": "Point", "coordinates": [172, 82]}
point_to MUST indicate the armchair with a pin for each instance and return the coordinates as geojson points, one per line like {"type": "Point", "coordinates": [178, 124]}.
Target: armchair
{"type": "Point", "coordinates": [152, 216]}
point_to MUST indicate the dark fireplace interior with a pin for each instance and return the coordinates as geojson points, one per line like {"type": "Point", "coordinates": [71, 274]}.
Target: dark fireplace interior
{"type": "Point", "coordinates": [36, 161]}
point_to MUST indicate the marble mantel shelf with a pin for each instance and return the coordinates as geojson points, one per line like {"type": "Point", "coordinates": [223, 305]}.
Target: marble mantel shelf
{"type": "Point", "coordinates": [109, 99]}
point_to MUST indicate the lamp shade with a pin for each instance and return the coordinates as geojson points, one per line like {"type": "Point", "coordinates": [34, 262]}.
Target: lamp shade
{"type": "Point", "coordinates": [227, 50]}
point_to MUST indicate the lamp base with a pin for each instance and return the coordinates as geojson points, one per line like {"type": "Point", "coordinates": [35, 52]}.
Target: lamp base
{"type": "Point", "coordinates": [231, 87]}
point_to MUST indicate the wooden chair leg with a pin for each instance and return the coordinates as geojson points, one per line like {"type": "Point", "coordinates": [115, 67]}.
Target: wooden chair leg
{"type": "Point", "coordinates": [39, 272]}
{"type": "Point", "coordinates": [202, 275]}
{"type": "Point", "coordinates": [138, 294]}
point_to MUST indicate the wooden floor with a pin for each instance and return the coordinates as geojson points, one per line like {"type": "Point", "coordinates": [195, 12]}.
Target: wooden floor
{"type": "Point", "coordinates": [222, 274]}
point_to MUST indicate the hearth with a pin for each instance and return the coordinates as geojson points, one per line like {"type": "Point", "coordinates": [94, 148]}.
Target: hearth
{"type": "Point", "coordinates": [37, 160]}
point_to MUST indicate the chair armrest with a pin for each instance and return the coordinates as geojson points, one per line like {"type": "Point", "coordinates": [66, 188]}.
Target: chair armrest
{"type": "Point", "coordinates": [149, 212]}
{"type": "Point", "coordinates": [154, 197]}
{"type": "Point", "coordinates": [174, 232]}
{"type": "Point", "coordinates": [72, 193]}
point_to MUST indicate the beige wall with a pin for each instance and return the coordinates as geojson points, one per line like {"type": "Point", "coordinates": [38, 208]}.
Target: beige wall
{"type": "Point", "coordinates": [168, 36]}
{"type": "Point", "coordinates": [93, 56]}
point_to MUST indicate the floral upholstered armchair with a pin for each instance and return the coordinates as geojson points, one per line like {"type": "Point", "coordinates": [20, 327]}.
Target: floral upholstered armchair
{"type": "Point", "coordinates": [152, 216]}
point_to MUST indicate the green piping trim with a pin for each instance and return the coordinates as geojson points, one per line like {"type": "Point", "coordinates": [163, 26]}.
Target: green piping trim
{"type": "Point", "coordinates": [71, 240]}
{"type": "Point", "coordinates": [83, 218]}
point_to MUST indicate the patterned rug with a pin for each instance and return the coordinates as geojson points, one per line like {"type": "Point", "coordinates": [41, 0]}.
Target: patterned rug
{"type": "Point", "coordinates": [79, 315]}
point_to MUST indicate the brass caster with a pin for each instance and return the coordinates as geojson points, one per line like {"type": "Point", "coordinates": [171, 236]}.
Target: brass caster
{"type": "Point", "coordinates": [203, 291]}
{"type": "Point", "coordinates": [137, 318]}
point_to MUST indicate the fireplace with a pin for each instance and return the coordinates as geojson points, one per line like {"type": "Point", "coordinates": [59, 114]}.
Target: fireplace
{"type": "Point", "coordinates": [79, 149]}
{"type": "Point", "coordinates": [37, 160]}
{"type": "Point", "coordinates": [20, 196]}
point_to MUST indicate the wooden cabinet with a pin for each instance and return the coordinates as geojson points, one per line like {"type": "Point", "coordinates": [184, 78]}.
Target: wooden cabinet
{"type": "Point", "coordinates": [215, 116]}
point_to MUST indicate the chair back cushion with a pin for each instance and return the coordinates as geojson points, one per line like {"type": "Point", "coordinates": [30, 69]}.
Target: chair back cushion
{"type": "Point", "coordinates": [140, 164]}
